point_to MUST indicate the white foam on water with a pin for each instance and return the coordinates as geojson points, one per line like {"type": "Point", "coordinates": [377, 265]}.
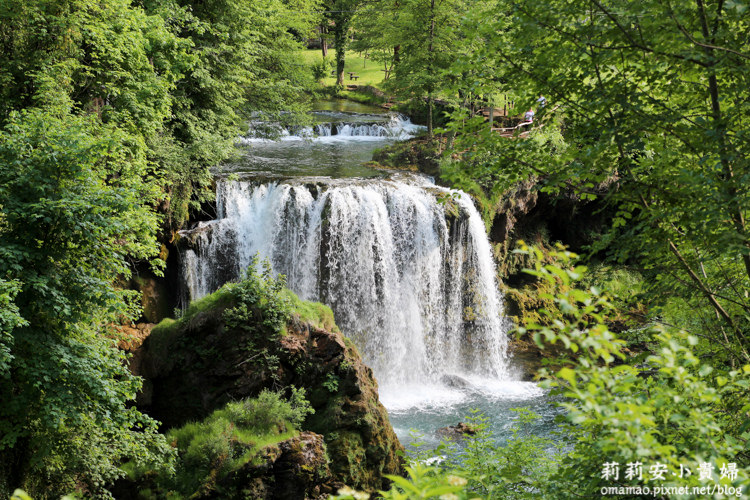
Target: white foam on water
{"type": "Point", "coordinates": [439, 398]}
{"type": "Point", "coordinates": [424, 397]}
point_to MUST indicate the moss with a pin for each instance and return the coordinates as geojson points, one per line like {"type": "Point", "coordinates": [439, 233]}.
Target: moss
{"type": "Point", "coordinates": [351, 458]}
{"type": "Point", "coordinates": [154, 296]}
{"type": "Point", "coordinates": [208, 451]}
{"type": "Point", "coordinates": [314, 313]}
{"type": "Point", "coordinates": [202, 360]}
{"type": "Point", "coordinates": [420, 153]}
{"type": "Point", "coordinates": [163, 335]}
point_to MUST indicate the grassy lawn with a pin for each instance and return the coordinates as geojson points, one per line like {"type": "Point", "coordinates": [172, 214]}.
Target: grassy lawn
{"type": "Point", "coordinates": [368, 70]}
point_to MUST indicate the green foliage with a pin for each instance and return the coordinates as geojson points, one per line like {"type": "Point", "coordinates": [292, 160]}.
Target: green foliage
{"type": "Point", "coordinates": [321, 68]}
{"type": "Point", "coordinates": [108, 110]}
{"type": "Point", "coordinates": [478, 467]}
{"type": "Point", "coordinates": [110, 58]}
{"type": "Point", "coordinates": [331, 383]}
{"type": "Point", "coordinates": [71, 213]}
{"type": "Point", "coordinates": [230, 438]}
{"type": "Point", "coordinates": [22, 495]}
{"type": "Point", "coordinates": [244, 60]}
{"type": "Point", "coordinates": [421, 483]}
{"type": "Point", "coordinates": [648, 107]}
{"type": "Point", "coordinates": [339, 14]}
{"type": "Point", "coordinates": [415, 40]}
{"type": "Point", "coordinates": [180, 77]}
{"type": "Point", "coordinates": [261, 305]}
{"type": "Point", "coordinates": [9, 320]}
{"type": "Point", "coordinates": [520, 467]}
{"type": "Point", "coordinates": [675, 409]}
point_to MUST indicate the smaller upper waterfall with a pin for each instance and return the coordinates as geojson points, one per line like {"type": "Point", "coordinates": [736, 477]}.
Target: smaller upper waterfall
{"type": "Point", "coordinates": [340, 126]}
{"type": "Point", "coordinates": [406, 267]}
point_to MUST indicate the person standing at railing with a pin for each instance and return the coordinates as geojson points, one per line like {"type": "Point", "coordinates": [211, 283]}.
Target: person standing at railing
{"type": "Point", "coordinates": [529, 116]}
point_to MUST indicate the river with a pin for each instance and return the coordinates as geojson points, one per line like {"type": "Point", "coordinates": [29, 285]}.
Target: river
{"type": "Point", "coordinates": [405, 265]}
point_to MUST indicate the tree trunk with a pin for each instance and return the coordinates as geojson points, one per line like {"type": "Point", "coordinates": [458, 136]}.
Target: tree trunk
{"type": "Point", "coordinates": [431, 69]}
{"type": "Point", "coordinates": [430, 105]}
{"type": "Point", "coordinates": [735, 211]}
{"type": "Point", "coordinates": [492, 111]}
{"type": "Point", "coordinates": [19, 458]}
{"type": "Point", "coordinates": [339, 38]}
{"type": "Point", "coordinates": [323, 40]}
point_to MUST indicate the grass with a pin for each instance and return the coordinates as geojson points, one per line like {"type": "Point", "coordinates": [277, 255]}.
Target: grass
{"type": "Point", "coordinates": [369, 71]}
{"type": "Point", "coordinates": [315, 313]}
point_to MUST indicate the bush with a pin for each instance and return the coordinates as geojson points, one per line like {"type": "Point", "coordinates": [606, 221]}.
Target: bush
{"type": "Point", "coordinates": [675, 410]}
{"type": "Point", "coordinates": [261, 414]}
{"type": "Point", "coordinates": [478, 467]}
{"type": "Point", "coordinates": [230, 437]}
{"type": "Point", "coordinates": [262, 307]}
{"type": "Point", "coordinates": [321, 68]}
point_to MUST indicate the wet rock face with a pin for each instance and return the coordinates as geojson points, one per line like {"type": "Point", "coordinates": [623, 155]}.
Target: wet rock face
{"type": "Point", "coordinates": [201, 365]}
{"type": "Point", "coordinates": [455, 381]}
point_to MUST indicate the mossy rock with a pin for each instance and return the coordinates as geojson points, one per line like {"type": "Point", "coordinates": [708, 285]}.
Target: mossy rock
{"type": "Point", "coordinates": [198, 363]}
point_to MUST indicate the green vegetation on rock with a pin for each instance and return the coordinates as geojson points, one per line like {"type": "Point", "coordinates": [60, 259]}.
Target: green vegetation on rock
{"type": "Point", "coordinates": [255, 335]}
{"type": "Point", "coordinates": [228, 439]}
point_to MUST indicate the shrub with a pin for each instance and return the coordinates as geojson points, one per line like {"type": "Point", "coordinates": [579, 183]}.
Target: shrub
{"type": "Point", "coordinates": [321, 68]}
{"type": "Point", "coordinates": [262, 307]}
{"type": "Point", "coordinates": [675, 410]}
{"type": "Point", "coordinates": [229, 438]}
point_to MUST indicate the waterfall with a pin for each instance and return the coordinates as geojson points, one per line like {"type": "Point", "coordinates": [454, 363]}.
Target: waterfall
{"type": "Point", "coordinates": [406, 267]}
{"type": "Point", "coordinates": [393, 126]}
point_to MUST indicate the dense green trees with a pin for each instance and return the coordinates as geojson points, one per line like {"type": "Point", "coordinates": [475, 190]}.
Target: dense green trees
{"type": "Point", "coordinates": [242, 62]}
{"type": "Point", "coordinates": [71, 194]}
{"type": "Point", "coordinates": [654, 98]}
{"type": "Point", "coordinates": [420, 37]}
{"type": "Point", "coordinates": [648, 109]}
{"type": "Point", "coordinates": [111, 114]}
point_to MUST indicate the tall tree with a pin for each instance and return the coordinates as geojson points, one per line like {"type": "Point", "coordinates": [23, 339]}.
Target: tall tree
{"type": "Point", "coordinates": [71, 214]}
{"type": "Point", "coordinates": [103, 107]}
{"type": "Point", "coordinates": [340, 14]}
{"type": "Point", "coordinates": [428, 35]}
{"type": "Point", "coordinates": [378, 32]}
{"type": "Point", "coordinates": [245, 62]}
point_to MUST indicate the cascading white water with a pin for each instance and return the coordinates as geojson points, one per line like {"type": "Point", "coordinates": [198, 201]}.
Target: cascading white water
{"type": "Point", "coordinates": [393, 126]}
{"type": "Point", "coordinates": [410, 277]}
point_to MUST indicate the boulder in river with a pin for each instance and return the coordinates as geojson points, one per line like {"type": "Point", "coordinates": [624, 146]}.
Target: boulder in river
{"type": "Point", "coordinates": [455, 381]}
{"type": "Point", "coordinates": [456, 432]}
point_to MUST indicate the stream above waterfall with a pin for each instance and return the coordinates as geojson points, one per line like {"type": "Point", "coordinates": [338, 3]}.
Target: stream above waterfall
{"type": "Point", "coordinates": [405, 265]}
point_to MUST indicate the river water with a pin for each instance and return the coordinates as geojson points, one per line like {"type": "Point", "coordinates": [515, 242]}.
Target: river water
{"type": "Point", "coordinates": [405, 265]}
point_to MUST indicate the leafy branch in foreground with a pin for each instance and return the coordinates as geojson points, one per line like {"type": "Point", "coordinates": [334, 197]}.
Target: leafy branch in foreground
{"type": "Point", "coordinates": [676, 409]}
